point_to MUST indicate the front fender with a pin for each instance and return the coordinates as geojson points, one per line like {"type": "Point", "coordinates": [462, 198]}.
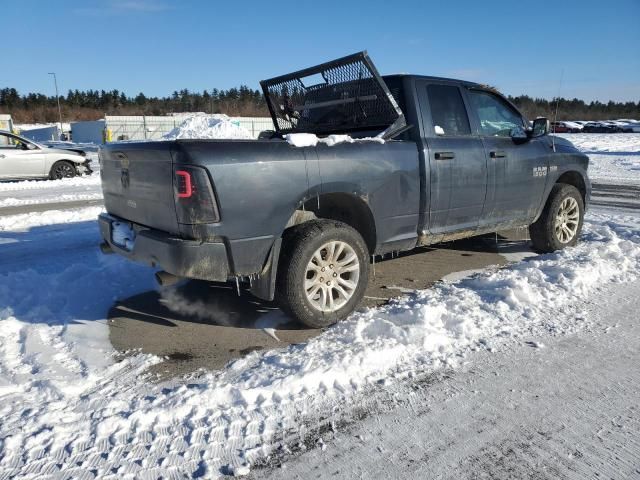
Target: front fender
{"type": "Point", "coordinates": [567, 166]}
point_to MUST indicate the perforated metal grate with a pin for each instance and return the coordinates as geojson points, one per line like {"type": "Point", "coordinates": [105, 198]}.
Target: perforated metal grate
{"type": "Point", "coordinates": [337, 96]}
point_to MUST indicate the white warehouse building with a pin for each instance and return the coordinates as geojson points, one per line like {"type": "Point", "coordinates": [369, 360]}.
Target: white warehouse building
{"type": "Point", "coordinates": [5, 122]}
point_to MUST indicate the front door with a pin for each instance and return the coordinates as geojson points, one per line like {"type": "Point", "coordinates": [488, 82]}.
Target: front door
{"type": "Point", "coordinates": [516, 171]}
{"type": "Point", "coordinates": [457, 165]}
{"type": "Point", "coordinates": [17, 161]}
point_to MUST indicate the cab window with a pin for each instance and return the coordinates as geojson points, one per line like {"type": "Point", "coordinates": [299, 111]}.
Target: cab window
{"type": "Point", "coordinates": [448, 112]}
{"type": "Point", "coordinates": [496, 116]}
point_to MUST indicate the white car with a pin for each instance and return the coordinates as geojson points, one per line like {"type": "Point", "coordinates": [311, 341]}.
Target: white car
{"type": "Point", "coordinates": [23, 159]}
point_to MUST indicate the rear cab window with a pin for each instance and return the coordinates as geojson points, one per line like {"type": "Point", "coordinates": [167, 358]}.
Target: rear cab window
{"type": "Point", "coordinates": [448, 113]}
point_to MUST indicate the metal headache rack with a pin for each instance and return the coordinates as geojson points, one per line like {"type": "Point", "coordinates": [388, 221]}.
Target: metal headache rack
{"type": "Point", "coordinates": [343, 95]}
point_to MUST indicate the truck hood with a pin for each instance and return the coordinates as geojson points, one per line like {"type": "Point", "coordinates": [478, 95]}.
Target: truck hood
{"type": "Point", "coordinates": [563, 145]}
{"type": "Point", "coordinates": [340, 96]}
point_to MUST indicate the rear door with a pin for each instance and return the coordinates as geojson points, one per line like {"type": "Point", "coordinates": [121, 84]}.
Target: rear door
{"type": "Point", "coordinates": [516, 172]}
{"type": "Point", "coordinates": [456, 161]}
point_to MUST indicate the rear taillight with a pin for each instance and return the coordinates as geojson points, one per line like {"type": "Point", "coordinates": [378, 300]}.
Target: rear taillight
{"type": "Point", "coordinates": [184, 187]}
{"type": "Point", "coordinates": [194, 197]}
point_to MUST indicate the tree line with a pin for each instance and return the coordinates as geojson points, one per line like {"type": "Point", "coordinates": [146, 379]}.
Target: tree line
{"type": "Point", "coordinates": [95, 104]}
{"type": "Point", "coordinates": [246, 102]}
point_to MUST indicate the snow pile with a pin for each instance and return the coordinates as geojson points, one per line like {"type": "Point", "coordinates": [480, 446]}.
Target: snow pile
{"type": "Point", "coordinates": [208, 127]}
{"type": "Point", "coordinates": [48, 197]}
{"type": "Point", "coordinates": [68, 406]}
{"type": "Point", "coordinates": [25, 221]}
{"type": "Point", "coordinates": [24, 127]}
{"type": "Point", "coordinates": [311, 140]}
{"type": "Point", "coordinates": [70, 184]}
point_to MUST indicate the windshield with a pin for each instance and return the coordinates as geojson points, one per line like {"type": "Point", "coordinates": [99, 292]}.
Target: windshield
{"type": "Point", "coordinates": [9, 140]}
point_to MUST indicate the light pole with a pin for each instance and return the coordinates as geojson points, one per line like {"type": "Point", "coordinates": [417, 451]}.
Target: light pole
{"type": "Point", "coordinates": [55, 82]}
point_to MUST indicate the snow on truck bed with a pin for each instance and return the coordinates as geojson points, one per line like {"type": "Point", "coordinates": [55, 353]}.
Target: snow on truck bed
{"type": "Point", "coordinates": [70, 405]}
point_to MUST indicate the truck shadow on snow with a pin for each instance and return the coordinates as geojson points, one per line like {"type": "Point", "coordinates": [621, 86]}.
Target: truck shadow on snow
{"type": "Point", "coordinates": [198, 324]}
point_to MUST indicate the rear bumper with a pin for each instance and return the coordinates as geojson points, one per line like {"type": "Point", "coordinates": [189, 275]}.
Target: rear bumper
{"type": "Point", "coordinates": [183, 258]}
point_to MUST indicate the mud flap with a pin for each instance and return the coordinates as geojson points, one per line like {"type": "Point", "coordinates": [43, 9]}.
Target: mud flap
{"type": "Point", "coordinates": [264, 286]}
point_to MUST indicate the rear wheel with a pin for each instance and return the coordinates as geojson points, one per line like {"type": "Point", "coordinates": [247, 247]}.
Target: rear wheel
{"type": "Point", "coordinates": [323, 272]}
{"type": "Point", "coordinates": [62, 169]}
{"type": "Point", "coordinates": [560, 223]}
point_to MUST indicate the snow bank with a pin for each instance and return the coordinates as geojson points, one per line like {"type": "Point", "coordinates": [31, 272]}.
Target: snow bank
{"type": "Point", "coordinates": [68, 406]}
{"type": "Point", "coordinates": [47, 196]}
{"type": "Point", "coordinates": [24, 221]}
{"type": "Point", "coordinates": [311, 140]}
{"type": "Point", "coordinates": [209, 127]}
{"type": "Point", "coordinates": [74, 183]}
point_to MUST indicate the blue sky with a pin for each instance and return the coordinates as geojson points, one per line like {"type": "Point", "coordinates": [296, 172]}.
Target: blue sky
{"type": "Point", "coordinates": [158, 46]}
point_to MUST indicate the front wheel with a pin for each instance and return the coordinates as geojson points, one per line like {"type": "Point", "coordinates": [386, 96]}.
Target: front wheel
{"type": "Point", "coordinates": [560, 223]}
{"type": "Point", "coordinates": [323, 272]}
{"type": "Point", "coordinates": [62, 169]}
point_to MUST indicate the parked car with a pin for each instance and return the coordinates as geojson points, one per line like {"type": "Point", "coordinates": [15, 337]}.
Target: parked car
{"type": "Point", "coordinates": [628, 126]}
{"type": "Point", "coordinates": [449, 159]}
{"type": "Point", "coordinates": [559, 127]}
{"type": "Point", "coordinates": [566, 127]}
{"type": "Point", "coordinates": [601, 127]}
{"type": "Point", "coordinates": [574, 126]}
{"type": "Point", "coordinates": [21, 158]}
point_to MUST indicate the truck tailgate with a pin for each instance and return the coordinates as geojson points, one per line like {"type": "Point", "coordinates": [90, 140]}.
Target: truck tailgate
{"type": "Point", "coordinates": [137, 183]}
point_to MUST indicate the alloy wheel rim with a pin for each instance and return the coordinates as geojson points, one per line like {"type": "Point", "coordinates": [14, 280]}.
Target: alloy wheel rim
{"type": "Point", "coordinates": [332, 276]}
{"type": "Point", "coordinates": [63, 171]}
{"type": "Point", "coordinates": [567, 220]}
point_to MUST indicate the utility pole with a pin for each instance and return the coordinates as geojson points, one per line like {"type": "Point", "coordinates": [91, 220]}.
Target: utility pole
{"type": "Point", "coordinates": [55, 82]}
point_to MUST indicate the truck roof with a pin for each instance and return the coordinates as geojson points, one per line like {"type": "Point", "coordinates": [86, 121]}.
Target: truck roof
{"type": "Point", "coordinates": [431, 78]}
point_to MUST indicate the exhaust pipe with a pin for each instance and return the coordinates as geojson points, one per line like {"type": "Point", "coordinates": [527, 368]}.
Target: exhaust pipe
{"type": "Point", "coordinates": [106, 248]}
{"type": "Point", "coordinates": [165, 279]}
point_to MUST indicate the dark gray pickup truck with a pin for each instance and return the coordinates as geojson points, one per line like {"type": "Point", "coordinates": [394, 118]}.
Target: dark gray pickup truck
{"type": "Point", "coordinates": [449, 159]}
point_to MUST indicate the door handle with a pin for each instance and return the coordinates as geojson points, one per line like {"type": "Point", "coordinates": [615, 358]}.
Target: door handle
{"type": "Point", "coordinates": [1, 156]}
{"type": "Point", "coordinates": [444, 156]}
{"type": "Point", "coordinates": [497, 154]}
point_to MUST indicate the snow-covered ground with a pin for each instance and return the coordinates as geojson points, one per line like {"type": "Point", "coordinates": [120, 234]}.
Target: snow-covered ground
{"type": "Point", "coordinates": [72, 407]}
{"type": "Point", "coordinates": [69, 404]}
{"type": "Point", "coordinates": [34, 192]}
{"type": "Point", "coordinates": [565, 409]}
{"type": "Point", "coordinates": [614, 158]}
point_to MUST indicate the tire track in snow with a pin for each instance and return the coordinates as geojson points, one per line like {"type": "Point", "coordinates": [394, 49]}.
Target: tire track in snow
{"type": "Point", "coordinates": [565, 411]}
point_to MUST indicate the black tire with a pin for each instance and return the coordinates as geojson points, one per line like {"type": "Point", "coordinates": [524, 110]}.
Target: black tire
{"type": "Point", "coordinates": [62, 169]}
{"type": "Point", "coordinates": [298, 247]}
{"type": "Point", "coordinates": [543, 233]}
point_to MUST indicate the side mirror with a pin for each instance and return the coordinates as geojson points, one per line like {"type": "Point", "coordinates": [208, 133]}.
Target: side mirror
{"type": "Point", "coordinates": [540, 127]}
{"type": "Point", "coordinates": [518, 135]}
